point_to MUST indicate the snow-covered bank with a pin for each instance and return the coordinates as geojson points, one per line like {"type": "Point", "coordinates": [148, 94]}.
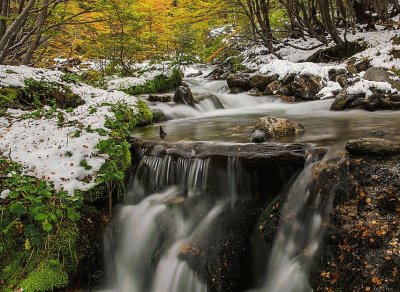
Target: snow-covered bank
{"type": "Point", "coordinates": [54, 148]}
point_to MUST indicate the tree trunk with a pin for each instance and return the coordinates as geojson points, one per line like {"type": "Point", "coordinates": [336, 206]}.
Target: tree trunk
{"type": "Point", "coordinates": [3, 15]}
{"type": "Point", "coordinates": [38, 34]}
{"type": "Point", "coordinates": [13, 29]}
{"type": "Point", "coordinates": [329, 21]}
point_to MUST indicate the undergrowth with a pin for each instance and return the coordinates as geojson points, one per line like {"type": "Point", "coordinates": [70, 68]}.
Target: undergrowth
{"type": "Point", "coordinates": [42, 230]}
{"type": "Point", "coordinates": [160, 83]}
{"type": "Point", "coordinates": [38, 94]}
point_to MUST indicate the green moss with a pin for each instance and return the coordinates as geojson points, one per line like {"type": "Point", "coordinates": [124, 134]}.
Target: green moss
{"type": "Point", "coordinates": [8, 97]}
{"type": "Point", "coordinates": [46, 277]}
{"type": "Point", "coordinates": [90, 77]}
{"type": "Point", "coordinates": [159, 84]}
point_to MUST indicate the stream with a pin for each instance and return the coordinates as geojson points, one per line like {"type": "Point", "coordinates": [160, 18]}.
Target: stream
{"type": "Point", "coordinates": [190, 223]}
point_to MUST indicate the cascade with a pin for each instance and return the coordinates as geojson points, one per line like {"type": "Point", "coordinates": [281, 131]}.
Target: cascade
{"type": "Point", "coordinates": [181, 222]}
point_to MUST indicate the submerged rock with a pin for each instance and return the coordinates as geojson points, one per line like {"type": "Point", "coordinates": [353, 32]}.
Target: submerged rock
{"type": "Point", "coordinates": [273, 127]}
{"type": "Point", "coordinates": [198, 97]}
{"type": "Point", "coordinates": [239, 82]}
{"type": "Point", "coordinates": [183, 95]}
{"type": "Point", "coordinates": [373, 146]}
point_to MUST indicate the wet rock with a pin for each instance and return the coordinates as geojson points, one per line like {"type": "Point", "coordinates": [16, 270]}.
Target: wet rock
{"type": "Point", "coordinates": [216, 74]}
{"type": "Point", "coordinates": [289, 99]}
{"type": "Point", "coordinates": [360, 250]}
{"type": "Point", "coordinates": [284, 90]}
{"type": "Point", "coordinates": [225, 75]}
{"type": "Point", "coordinates": [261, 81]}
{"type": "Point", "coordinates": [258, 136]}
{"type": "Point", "coordinates": [306, 87]}
{"type": "Point", "coordinates": [342, 80]}
{"type": "Point", "coordinates": [333, 73]}
{"type": "Point", "coordinates": [288, 79]}
{"type": "Point", "coordinates": [239, 82]}
{"type": "Point", "coordinates": [229, 262]}
{"type": "Point", "coordinates": [183, 95]}
{"type": "Point", "coordinates": [273, 87]}
{"type": "Point", "coordinates": [198, 97]}
{"type": "Point", "coordinates": [373, 146]}
{"type": "Point", "coordinates": [376, 101]}
{"type": "Point", "coordinates": [274, 127]}
{"type": "Point", "coordinates": [159, 116]}
{"type": "Point", "coordinates": [379, 75]}
{"type": "Point", "coordinates": [160, 98]}
{"type": "Point", "coordinates": [255, 92]}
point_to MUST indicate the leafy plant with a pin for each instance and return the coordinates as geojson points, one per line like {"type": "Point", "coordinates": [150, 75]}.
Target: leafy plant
{"type": "Point", "coordinates": [160, 83]}
{"type": "Point", "coordinates": [37, 94]}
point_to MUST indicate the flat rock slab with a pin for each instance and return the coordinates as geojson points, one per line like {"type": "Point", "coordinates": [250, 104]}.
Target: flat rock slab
{"type": "Point", "coordinates": [247, 153]}
{"type": "Point", "coordinates": [373, 146]}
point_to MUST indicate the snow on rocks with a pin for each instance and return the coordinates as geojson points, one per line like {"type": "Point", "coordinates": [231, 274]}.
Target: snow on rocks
{"type": "Point", "coordinates": [283, 68]}
{"type": "Point", "coordinates": [51, 151]}
{"type": "Point", "coordinates": [4, 194]}
{"type": "Point", "coordinates": [365, 87]}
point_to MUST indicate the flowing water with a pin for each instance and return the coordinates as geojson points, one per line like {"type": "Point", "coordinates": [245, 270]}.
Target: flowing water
{"type": "Point", "coordinates": [165, 238]}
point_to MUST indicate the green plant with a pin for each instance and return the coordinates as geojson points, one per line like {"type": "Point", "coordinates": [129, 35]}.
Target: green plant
{"type": "Point", "coordinates": [46, 277]}
{"type": "Point", "coordinates": [85, 165]}
{"type": "Point", "coordinates": [37, 94]}
{"type": "Point", "coordinates": [160, 83]}
{"type": "Point", "coordinates": [8, 97]}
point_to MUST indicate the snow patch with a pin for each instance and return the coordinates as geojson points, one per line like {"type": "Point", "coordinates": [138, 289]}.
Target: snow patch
{"type": "Point", "coordinates": [51, 151]}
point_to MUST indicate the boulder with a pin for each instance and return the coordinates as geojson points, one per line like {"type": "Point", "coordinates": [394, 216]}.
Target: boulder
{"type": "Point", "coordinates": [239, 81]}
{"type": "Point", "coordinates": [333, 73]}
{"type": "Point", "coordinates": [379, 75]}
{"type": "Point", "coordinates": [261, 81]}
{"type": "Point", "coordinates": [183, 95]}
{"type": "Point", "coordinates": [273, 87]}
{"type": "Point", "coordinates": [377, 101]}
{"type": "Point", "coordinates": [373, 146]}
{"type": "Point", "coordinates": [216, 74]}
{"type": "Point", "coordinates": [288, 79]}
{"type": "Point", "coordinates": [306, 87]}
{"type": "Point", "coordinates": [273, 127]}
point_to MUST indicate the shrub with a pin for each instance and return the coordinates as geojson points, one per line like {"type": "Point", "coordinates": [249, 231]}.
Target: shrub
{"type": "Point", "coordinates": [37, 94]}
{"type": "Point", "coordinates": [160, 83]}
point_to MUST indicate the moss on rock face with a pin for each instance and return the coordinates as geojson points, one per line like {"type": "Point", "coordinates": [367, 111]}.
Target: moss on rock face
{"type": "Point", "coordinates": [46, 277]}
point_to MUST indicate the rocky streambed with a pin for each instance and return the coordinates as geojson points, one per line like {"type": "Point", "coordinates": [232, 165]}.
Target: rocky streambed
{"type": "Point", "coordinates": [310, 206]}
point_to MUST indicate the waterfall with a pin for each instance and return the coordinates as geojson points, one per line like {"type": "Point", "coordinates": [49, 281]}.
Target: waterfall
{"type": "Point", "coordinates": [307, 206]}
{"type": "Point", "coordinates": [179, 229]}
{"type": "Point", "coordinates": [169, 210]}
